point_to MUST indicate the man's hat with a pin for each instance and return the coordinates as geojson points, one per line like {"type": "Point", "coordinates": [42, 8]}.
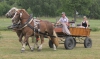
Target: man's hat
{"type": "Point", "coordinates": [85, 17]}
{"type": "Point", "coordinates": [63, 13]}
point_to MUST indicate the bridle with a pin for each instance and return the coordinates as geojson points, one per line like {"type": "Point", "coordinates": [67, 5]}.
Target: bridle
{"type": "Point", "coordinates": [10, 14]}
{"type": "Point", "coordinates": [30, 19]}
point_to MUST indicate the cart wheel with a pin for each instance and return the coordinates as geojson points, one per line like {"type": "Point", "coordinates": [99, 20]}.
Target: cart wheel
{"type": "Point", "coordinates": [50, 44]}
{"type": "Point", "coordinates": [87, 43]}
{"type": "Point", "coordinates": [69, 43]}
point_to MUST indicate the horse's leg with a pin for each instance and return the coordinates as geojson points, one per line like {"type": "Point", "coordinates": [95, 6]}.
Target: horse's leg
{"type": "Point", "coordinates": [35, 43]}
{"type": "Point", "coordinates": [18, 32]}
{"type": "Point", "coordinates": [37, 39]}
{"type": "Point", "coordinates": [24, 43]}
{"type": "Point", "coordinates": [55, 40]}
{"type": "Point", "coordinates": [42, 41]}
{"type": "Point", "coordinates": [54, 46]}
{"type": "Point", "coordinates": [23, 46]}
{"type": "Point", "coordinates": [28, 44]}
{"type": "Point", "coordinates": [32, 39]}
{"type": "Point", "coordinates": [20, 37]}
{"type": "Point", "coordinates": [20, 40]}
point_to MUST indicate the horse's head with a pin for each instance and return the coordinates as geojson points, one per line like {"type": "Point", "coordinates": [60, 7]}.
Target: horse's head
{"type": "Point", "coordinates": [19, 16]}
{"type": "Point", "coordinates": [11, 12]}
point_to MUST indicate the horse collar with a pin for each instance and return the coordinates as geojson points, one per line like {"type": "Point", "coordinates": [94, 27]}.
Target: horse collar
{"type": "Point", "coordinates": [26, 23]}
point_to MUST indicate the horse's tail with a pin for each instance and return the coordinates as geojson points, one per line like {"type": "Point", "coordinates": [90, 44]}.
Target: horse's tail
{"type": "Point", "coordinates": [55, 39]}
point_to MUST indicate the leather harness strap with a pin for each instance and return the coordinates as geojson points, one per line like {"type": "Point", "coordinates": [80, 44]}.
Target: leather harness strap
{"type": "Point", "coordinates": [28, 22]}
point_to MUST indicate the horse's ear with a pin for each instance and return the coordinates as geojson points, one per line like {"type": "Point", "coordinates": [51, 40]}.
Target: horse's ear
{"type": "Point", "coordinates": [22, 10]}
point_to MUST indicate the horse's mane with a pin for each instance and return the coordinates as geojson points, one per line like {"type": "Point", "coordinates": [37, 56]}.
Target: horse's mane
{"type": "Point", "coordinates": [25, 11]}
{"type": "Point", "coordinates": [14, 8]}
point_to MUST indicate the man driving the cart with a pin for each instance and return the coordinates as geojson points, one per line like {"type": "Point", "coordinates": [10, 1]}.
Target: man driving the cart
{"type": "Point", "coordinates": [64, 21]}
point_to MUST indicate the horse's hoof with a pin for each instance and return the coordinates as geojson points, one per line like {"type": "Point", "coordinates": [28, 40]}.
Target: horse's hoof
{"type": "Point", "coordinates": [32, 50]}
{"type": "Point", "coordinates": [54, 49]}
{"type": "Point", "coordinates": [38, 47]}
{"type": "Point", "coordinates": [39, 50]}
{"type": "Point", "coordinates": [22, 51]}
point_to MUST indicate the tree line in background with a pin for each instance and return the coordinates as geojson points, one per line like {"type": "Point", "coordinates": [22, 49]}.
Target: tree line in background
{"type": "Point", "coordinates": [54, 8]}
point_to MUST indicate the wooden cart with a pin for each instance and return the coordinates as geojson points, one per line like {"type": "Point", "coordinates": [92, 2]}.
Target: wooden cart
{"type": "Point", "coordinates": [77, 36]}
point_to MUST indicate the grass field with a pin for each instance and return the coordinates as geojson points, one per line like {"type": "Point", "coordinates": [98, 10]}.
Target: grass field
{"type": "Point", "coordinates": [10, 46]}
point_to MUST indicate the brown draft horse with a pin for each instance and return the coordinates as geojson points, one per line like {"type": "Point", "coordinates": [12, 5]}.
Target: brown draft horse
{"type": "Point", "coordinates": [45, 26]}
{"type": "Point", "coordinates": [10, 14]}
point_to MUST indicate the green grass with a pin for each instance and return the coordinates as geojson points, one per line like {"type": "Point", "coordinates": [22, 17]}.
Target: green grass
{"type": "Point", "coordinates": [4, 23]}
{"type": "Point", "coordinates": [10, 46]}
{"type": "Point", "coordinates": [10, 49]}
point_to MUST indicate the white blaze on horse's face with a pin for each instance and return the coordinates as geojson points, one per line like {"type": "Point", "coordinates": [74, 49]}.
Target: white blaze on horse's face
{"type": "Point", "coordinates": [14, 16]}
{"type": "Point", "coordinates": [20, 14]}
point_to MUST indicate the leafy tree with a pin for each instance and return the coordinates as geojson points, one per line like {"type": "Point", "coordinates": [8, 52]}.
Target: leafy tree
{"type": "Point", "coordinates": [24, 3]}
{"type": "Point", "coordinates": [10, 2]}
{"type": "Point", "coordinates": [3, 8]}
{"type": "Point", "coordinates": [71, 6]}
{"type": "Point", "coordinates": [41, 7]}
{"type": "Point", "coordinates": [95, 9]}
{"type": "Point", "coordinates": [89, 8]}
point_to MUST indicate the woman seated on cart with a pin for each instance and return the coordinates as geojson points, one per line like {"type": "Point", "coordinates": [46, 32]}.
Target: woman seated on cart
{"type": "Point", "coordinates": [64, 21]}
{"type": "Point", "coordinates": [84, 23]}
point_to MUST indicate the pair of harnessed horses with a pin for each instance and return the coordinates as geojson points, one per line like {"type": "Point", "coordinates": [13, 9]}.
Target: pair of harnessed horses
{"type": "Point", "coordinates": [27, 29]}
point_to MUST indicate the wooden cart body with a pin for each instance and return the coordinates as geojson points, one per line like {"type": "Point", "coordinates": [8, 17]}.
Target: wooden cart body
{"type": "Point", "coordinates": [75, 31]}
